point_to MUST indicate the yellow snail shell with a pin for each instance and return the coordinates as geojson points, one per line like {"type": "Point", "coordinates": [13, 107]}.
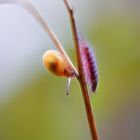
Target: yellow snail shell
{"type": "Point", "coordinates": [56, 64]}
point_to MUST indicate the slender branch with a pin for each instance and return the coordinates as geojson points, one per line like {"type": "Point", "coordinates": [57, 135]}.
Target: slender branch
{"type": "Point", "coordinates": [35, 13]}
{"type": "Point", "coordinates": [81, 77]}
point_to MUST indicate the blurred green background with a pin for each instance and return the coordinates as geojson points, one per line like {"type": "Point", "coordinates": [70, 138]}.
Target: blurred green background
{"type": "Point", "coordinates": [33, 104]}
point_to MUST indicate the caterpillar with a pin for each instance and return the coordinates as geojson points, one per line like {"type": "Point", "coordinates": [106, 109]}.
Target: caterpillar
{"type": "Point", "coordinates": [89, 65]}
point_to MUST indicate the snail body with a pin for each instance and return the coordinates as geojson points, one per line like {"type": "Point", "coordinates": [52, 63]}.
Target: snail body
{"type": "Point", "coordinates": [56, 64]}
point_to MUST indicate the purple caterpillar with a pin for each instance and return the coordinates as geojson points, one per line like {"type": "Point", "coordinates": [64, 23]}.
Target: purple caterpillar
{"type": "Point", "coordinates": [89, 65]}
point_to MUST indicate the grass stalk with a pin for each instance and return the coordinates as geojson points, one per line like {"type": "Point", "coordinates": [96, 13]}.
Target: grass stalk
{"type": "Point", "coordinates": [81, 77]}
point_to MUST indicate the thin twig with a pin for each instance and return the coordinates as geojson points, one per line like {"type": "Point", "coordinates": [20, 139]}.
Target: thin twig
{"type": "Point", "coordinates": [81, 77]}
{"type": "Point", "coordinates": [35, 13]}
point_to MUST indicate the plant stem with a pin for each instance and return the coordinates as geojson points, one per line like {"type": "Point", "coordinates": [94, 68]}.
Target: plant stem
{"type": "Point", "coordinates": [35, 13]}
{"type": "Point", "coordinates": [81, 77]}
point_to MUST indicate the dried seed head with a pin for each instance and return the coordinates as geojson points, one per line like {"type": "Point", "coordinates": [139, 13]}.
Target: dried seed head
{"type": "Point", "coordinates": [89, 65]}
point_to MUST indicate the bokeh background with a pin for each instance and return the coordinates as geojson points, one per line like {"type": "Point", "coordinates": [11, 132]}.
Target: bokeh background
{"type": "Point", "coordinates": [33, 104]}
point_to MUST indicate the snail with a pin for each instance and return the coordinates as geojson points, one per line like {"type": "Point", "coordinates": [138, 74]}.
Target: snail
{"type": "Point", "coordinates": [55, 63]}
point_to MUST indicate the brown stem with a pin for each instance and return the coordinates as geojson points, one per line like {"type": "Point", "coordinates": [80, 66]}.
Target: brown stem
{"type": "Point", "coordinates": [35, 13]}
{"type": "Point", "coordinates": [81, 77]}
